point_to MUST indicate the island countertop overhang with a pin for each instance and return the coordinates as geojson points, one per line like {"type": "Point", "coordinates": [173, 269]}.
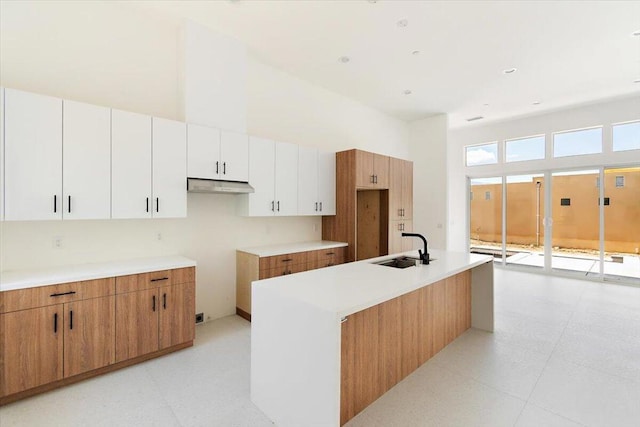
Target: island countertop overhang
{"type": "Point", "coordinates": [348, 288]}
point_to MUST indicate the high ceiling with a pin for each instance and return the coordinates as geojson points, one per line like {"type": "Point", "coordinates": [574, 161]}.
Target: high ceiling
{"type": "Point", "coordinates": [451, 55]}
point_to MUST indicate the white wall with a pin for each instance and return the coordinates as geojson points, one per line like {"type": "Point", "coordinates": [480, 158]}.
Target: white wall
{"type": "Point", "coordinates": [109, 54]}
{"type": "Point", "coordinates": [594, 114]}
{"type": "Point", "coordinates": [428, 150]}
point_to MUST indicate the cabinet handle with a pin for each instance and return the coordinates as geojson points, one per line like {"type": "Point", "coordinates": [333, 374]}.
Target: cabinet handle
{"type": "Point", "coordinates": [287, 259]}
{"type": "Point", "coordinates": [154, 303]}
{"type": "Point", "coordinates": [159, 280]}
{"type": "Point", "coordinates": [157, 204]}
{"type": "Point", "coordinates": [147, 204]}
{"type": "Point", "coordinates": [217, 168]}
{"type": "Point", "coordinates": [69, 204]}
{"type": "Point", "coordinates": [399, 212]}
{"type": "Point", "coordinates": [55, 323]}
{"type": "Point", "coordinates": [316, 206]}
{"type": "Point", "coordinates": [62, 293]}
{"type": "Point", "coordinates": [331, 253]}
{"type": "Point", "coordinates": [371, 180]}
{"type": "Point", "coordinates": [278, 205]}
{"type": "Point", "coordinates": [164, 301]}
{"type": "Point", "coordinates": [55, 203]}
{"type": "Point", "coordinates": [224, 168]}
{"type": "Point", "coordinates": [272, 206]}
{"type": "Point", "coordinates": [70, 319]}
{"type": "Point", "coordinates": [320, 206]}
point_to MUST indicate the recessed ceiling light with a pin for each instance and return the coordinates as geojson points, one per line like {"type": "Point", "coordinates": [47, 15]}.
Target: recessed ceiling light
{"type": "Point", "coordinates": [415, 52]}
{"type": "Point", "coordinates": [535, 103]}
{"type": "Point", "coordinates": [407, 92]}
{"type": "Point", "coordinates": [509, 71]}
{"type": "Point", "coordinates": [473, 119]}
{"type": "Point", "coordinates": [402, 23]}
{"type": "Point", "coordinates": [344, 59]}
{"type": "Point", "coordinates": [636, 33]}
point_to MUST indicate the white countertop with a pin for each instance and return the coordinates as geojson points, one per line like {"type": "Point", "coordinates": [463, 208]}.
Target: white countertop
{"type": "Point", "coordinates": [20, 279]}
{"type": "Point", "coordinates": [349, 288]}
{"type": "Point", "coordinates": [291, 248]}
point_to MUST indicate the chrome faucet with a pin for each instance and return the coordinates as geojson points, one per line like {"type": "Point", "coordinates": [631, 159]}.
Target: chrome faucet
{"type": "Point", "coordinates": [424, 257]}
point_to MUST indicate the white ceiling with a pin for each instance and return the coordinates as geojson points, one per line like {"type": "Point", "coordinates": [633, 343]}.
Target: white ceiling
{"type": "Point", "coordinates": [565, 52]}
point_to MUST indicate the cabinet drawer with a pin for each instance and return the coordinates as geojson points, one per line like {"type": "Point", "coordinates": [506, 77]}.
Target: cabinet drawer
{"type": "Point", "coordinates": [138, 282]}
{"type": "Point", "coordinates": [282, 260]}
{"type": "Point", "coordinates": [183, 275]}
{"type": "Point", "coordinates": [22, 299]}
{"type": "Point", "coordinates": [282, 271]}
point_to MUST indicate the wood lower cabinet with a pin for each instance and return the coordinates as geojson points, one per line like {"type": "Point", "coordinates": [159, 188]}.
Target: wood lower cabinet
{"type": "Point", "coordinates": [251, 267]}
{"type": "Point", "coordinates": [54, 335]}
{"type": "Point", "coordinates": [383, 344]}
{"type": "Point", "coordinates": [155, 317]}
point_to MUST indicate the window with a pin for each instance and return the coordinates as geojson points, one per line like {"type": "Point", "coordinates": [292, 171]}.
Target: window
{"type": "Point", "coordinates": [485, 154]}
{"type": "Point", "coordinates": [626, 136]}
{"type": "Point", "coordinates": [519, 150]}
{"type": "Point", "coordinates": [578, 142]}
{"type": "Point", "coordinates": [619, 181]}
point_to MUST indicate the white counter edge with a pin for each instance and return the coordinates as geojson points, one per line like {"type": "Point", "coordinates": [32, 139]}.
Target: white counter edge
{"type": "Point", "coordinates": [22, 279]}
{"type": "Point", "coordinates": [291, 248]}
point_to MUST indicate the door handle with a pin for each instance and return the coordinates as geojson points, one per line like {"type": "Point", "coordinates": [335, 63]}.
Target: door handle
{"type": "Point", "coordinates": [55, 203]}
{"type": "Point", "coordinates": [147, 204]}
{"type": "Point", "coordinates": [217, 168]}
{"type": "Point", "coordinates": [55, 323]}
{"type": "Point", "coordinates": [157, 204]}
{"type": "Point", "coordinates": [69, 204]}
{"type": "Point", "coordinates": [272, 206]}
{"type": "Point", "coordinates": [154, 303]}
{"type": "Point", "coordinates": [224, 168]}
{"type": "Point", "coordinates": [320, 206]}
{"type": "Point", "coordinates": [278, 205]}
{"type": "Point", "coordinates": [164, 301]}
{"type": "Point", "coordinates": [316, 206]}
{"type": "Point", "coordinates": [70, 319]}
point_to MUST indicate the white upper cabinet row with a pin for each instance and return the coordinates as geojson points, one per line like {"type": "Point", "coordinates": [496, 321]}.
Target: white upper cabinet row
{"type": "Point", "coordinates": [69, 160]}
{"type": "Point", "coordinates": [217, 154]}
{"type": "Point", "coordinates": [316, 182]}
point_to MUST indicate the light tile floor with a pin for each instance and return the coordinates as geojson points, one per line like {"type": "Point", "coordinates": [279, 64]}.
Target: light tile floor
{"type": "Point", "coordinates": [565, 353]}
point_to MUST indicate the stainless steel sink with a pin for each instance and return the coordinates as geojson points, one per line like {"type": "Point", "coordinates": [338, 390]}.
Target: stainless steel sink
{"type": "Point", "coordinates": [401, 262]}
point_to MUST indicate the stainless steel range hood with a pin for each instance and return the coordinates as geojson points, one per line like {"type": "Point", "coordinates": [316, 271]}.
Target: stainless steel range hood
{"type": "Point", "coordinates": [199, 185]}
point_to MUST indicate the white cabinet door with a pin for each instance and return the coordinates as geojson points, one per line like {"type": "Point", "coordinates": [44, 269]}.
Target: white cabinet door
{"type": "Point", "coordinates": [169, 169]}
{"type": "Point", "coordinates": [33, 156]}
{"type": "Point", "coordinates": [1, 153]}
{"type": "Point", "coordinates": [86, 176]}
{"type": "Point", "coordinates": [234, 154]}
{"type": "Point", "coordinates": [130, 165]}
{"type": "Point", "coordinates": [308, 201]}
{"type": "Point", "coordinates": [327, 182]}
{"type": "Point", "coordinates": [261, 177]}
{"type": "Point", "coordinates": [286, 179]}
{"type": "Point", "coordinates": [203, 147]}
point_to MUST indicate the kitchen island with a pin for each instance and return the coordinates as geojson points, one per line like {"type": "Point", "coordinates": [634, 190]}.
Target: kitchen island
{"type": "Point", "coordinates": [326, 343]}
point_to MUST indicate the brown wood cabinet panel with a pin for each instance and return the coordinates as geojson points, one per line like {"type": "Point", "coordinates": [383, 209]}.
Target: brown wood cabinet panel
{"type": "Point", "coordinates": [381, 171]}
{"type": "Point", "coordinates": [136, 323]}
{"type": "Point", "coordinates": [177, 309]}
{"type": "Point", "coordinates": [89, 335]}
{"type": "Point", "coordinates": [31, 346]}
{"type": "Point", "coordinates": [360, 369]}
{"type": "Point", "coordinates": [138, 282]}
{"type": "Point", "coordinates": [426, 324]}
{"type": "Point", "coordinates": [438, 290]}
{"type": "Point", "coordinates": [22, 299]}
{"type": "Point", "coordinates": [183, 275]}
{"type": "Point", "coordinates": [365, 175]}
{"type": "Point", "coordinates": [411, 333]}
{"type": "Point", "coordinates": [391, 340]}
{"type": "Point", "coordinates": [407, 190]}
{"type": "Point", "coordinates": [396, 169]}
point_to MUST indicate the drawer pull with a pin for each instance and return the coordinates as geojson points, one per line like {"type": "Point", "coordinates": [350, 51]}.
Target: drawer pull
{"type": "Point", "coordinates": [154, 303]}
{"type": "Point", "coordinates": [62, 293]}
{"type": "Point", "coordinates": [287, 260]}
{"type": "Point", "coordinates": [331, 253]}
{"type": "Point", "coordinates": [160, 279]}
{"type": "Point", "coordinates": [164, 301]}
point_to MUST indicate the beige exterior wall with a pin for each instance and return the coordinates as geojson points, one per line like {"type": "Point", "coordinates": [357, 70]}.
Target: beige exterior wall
{"type": "Point", "coordinates": [575, 226]}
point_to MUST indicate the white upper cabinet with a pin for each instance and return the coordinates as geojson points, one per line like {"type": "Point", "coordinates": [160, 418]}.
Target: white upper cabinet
{"type": "Point", "coordinates": [86, 175]}
{"type": "Point", "coordinates": [130, 165]}
{"type": "Point", "coordinates": [203, 152]}
{"type": "Point", "coordinates": [273, 173]}
{"type": "Point", "coordinates": [33, 156]}
{"type": "Point", "coordinates": [262, 159]}
{"type": "Point", "coordinates": [316, 182]}
{"type": "Point", "coordinates": [169, 169]}
{"type": "Point", "coordinates": [234, 156]}
{"type": "Point", "coordinates": [215, 154]}
{"type": "Point", "coordinates": [327, 182]}
{"type": "Point", "coordinates": [286, 179]}
{"type": "Point", "coordinates": [1, 153]}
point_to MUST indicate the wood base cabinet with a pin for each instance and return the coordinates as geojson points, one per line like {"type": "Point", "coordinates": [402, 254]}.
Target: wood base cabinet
{"type": "Point", "coordinates": [383, 344]}
{"type": "Point", "coordinates": [55, 335]}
